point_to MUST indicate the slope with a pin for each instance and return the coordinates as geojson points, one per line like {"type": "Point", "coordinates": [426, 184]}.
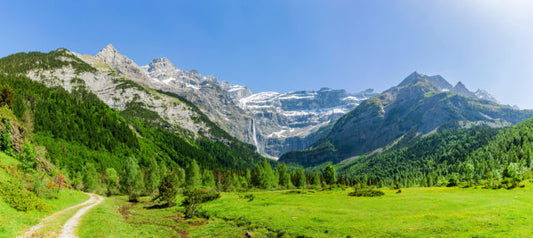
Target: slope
{"type": "Point", "coordinates": [78, 128]}
{"type": "Point", "coordinates": [418, 105]}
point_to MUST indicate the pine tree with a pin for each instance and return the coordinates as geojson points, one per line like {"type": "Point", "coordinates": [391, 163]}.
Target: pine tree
{"type": "Point", "coordinates": [315, 180]}
{"type": "Point", "coordinates": [284, 176]}
{"type": "Point", "coordinates": [192, 175]}
{"type": "Point", "coordinates": [152, 177]}
{"type": "Point", "coordinates": [299, 178]}
{"type": "Point", "coordinates": [168, 189]}
{"type": "Point", "coordinates": [208, 179]}
{"type": "Point", "coordinates": [262, 175]}
{"type": "Point", "coordinates": [330, 175]}
{"type": "Point", "coordinates": [134, 179]}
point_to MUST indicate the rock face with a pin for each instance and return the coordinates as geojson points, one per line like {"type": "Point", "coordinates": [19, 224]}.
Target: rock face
{"type": "Point", "coordinates": [417, 106]}
{"type": "Point", "coordinates": [482, 94]}
{"type": "Point", "coordinates": [292, 121]}
{"type": "Point", "coordinates": [114, 89]}
{"type": "Point", "coordinates": [203, 91]}
{"type": "Point", "coordinates": [274, 122]}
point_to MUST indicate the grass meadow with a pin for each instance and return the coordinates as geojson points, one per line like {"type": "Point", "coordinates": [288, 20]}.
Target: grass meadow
{"type": "Point", "coordinates": [415, 212]}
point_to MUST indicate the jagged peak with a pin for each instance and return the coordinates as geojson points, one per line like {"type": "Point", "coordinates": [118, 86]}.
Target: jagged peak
{"type": "Point", "coordinates": [460, 85]}
{"type": "Point", "coordinates": [108, 48]}
{"type": "Point", "coordinates": [161, 63]}
{"type": "Point", "coordinates": [416, 77]}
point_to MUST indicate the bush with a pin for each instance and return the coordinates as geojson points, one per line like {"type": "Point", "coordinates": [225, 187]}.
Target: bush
{"type": "Point", "coordinates": [194, 198]}
{"type": "Point", "coordinates": [20, 198]}
{"type": "Point", "coordinates": [366, 192]}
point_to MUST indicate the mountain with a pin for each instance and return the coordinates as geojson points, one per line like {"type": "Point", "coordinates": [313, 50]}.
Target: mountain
{"type": "Point", "coordinates": [482, 94]}
{"type": "Point", "coordinates": [202, 91]}
{"type": "Point", "coordinates": [294, 120]}
{"type": "Point", "coordinates": [105, 116]}
{"type": "Point", "coordinates": [416, 107]}
{"type": "Point", "coordinates": [274, 122]}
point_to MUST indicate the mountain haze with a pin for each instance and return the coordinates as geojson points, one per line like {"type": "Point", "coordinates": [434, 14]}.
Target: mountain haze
{"type": "Point", "coordinates": [417, 106]}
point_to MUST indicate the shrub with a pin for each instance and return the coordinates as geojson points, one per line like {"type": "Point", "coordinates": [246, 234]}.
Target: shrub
{"type": "Point", "coordinates": [366, 192]}
{"type": "Point", "coordinates": [20, 198]}
{"type": "Point", "coordinates": [168, 189]}
{"type": "Point", "coordinates": [195, 197]}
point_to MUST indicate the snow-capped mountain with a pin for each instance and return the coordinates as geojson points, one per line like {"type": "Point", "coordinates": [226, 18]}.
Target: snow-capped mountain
{"type": "Point", "coordinates": [292, 121]}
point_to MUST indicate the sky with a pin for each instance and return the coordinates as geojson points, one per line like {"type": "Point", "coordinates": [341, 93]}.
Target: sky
{"type": "Point", "coordinates": [291, 45]}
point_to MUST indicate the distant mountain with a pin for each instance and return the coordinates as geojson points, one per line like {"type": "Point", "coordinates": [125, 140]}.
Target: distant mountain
{"type": "Point", "coordinates": [294, 120]}
{"type": "Point", "coordinates": [417, 106]}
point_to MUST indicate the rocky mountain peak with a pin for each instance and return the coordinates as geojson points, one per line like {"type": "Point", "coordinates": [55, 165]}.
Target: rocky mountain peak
{"type": "Point", "coordinates": [461, 89]}
{"type": "Point", "coordinates": [161, 64]}
{"type": "Point", "coordinates": [411, 79]}
{"type": "Point", "coordinates": [123, 64]}
{"type": "Point", "coordinates": [482, 94]}
{"type": "Point", "coordinates": [415, 77]}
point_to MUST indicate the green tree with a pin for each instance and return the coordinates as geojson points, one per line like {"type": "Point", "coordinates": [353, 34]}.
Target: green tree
{"type": "Point", "coordinates": [152, 177]}
{"type": "Point", "coordinates": [315, 180]}
{"type": "Point", "coordinates": [299, 178]}
{"type": "Point", "coordinates": [330, 174]}
{"type": "Point", "coordinates": [111, 180]}
{"type": "Point", "coordinates": [134, 179]}
{"type": "Point", "coordinates": [192, 175]}
{"type": "Point", "coordinates": [7, 96]}
{"type": "Point", "coordinates": [284, 176]}
{"type": "Point", "coordinates": [90, 178]}
{"type": "Point", "coordinates": [208, 179]}
{"type": "Point", "coordinates": [262, 175]}
{"type": "Point", "coordinates": [168, 189]}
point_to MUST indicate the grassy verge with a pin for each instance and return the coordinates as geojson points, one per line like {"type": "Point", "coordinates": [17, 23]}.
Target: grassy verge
{"type": "Point", "coordinates": [13, 222]}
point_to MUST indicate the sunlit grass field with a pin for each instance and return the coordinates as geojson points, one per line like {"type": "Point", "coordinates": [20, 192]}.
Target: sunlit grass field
{"type": "Point", "coordinates": [415, 212]}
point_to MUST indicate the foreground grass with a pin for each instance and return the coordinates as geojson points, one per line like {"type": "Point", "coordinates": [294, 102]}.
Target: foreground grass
{"type": "Point", "coordinates": [13, 222]}
{"type": "Point", "coordinates": [117, 217]}
{"type": "Point", "coordinates": [416, 212]}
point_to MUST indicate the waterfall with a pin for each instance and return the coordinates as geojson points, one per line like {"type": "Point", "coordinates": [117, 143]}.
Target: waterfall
{"type": "Point", "coordinates": [254, 135]}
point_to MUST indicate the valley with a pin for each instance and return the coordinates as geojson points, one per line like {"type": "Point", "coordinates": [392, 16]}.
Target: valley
{"type": "Point", "coordinates": [266, 119]}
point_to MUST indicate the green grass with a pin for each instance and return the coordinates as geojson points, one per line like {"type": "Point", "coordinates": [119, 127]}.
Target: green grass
{"type": "Point", "coordinates": [416, 212]}
{"type": "Point", "coordinates": [13, 222]}
{"type": "Point", "coordinates": [125, 219]}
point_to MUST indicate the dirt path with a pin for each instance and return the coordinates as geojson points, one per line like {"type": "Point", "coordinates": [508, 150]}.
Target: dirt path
{"type": "Point", "coordinates": [68, 227]}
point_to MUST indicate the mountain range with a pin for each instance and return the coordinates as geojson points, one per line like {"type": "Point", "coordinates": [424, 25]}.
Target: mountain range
{"type": "Point", "coordinates": [418, 106]}
{"type": "Point", "coordinates": [305, 127]}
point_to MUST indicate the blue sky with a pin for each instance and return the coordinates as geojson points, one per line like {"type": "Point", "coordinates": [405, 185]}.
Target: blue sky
{"type": "Point", "coordinates": [297, 45]}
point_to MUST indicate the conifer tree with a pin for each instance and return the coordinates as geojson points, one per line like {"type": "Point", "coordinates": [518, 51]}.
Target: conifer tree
{"type": "Point", "coordinates": [192, 175]}
{"type": "Point", "coordinates": [152, 177]}
{"type": "Point", "coordinates": [284, 176]}
{"type": "Point", "coordinates": [208, 179]}
{"type": "Point", "coordinates": [134, 179]}
{"type": "Point", "coordinates": [330, 175]}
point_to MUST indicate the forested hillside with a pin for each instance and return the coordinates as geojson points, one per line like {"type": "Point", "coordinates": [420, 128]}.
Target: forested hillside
{"type": "Point", "coordinates": [418, 104]}
{"type": "Point", "coordinates": [84, 137]}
